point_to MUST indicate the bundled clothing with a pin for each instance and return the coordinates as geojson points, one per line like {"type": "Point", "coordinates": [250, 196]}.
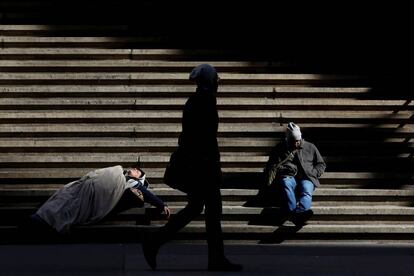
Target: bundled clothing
{"type": "Point", "coordinates": [90, 198]}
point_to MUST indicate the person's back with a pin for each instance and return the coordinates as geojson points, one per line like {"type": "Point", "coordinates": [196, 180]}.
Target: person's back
{"type": "Point", "coordinates": [199, 126]}
{"type": "Point", "coordinates": [198, 139]}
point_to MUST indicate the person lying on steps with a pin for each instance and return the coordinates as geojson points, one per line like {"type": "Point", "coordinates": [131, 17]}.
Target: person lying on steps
{"type": "Point", "coordinates": [92, 197]}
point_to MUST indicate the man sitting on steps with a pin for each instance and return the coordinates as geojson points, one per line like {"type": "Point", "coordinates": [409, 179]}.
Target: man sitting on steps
{"type": "Point", "coordinates": [295, 166]}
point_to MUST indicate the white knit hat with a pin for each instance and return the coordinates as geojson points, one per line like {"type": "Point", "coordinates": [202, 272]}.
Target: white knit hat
{"type": "Point", "coordinates": [293, 132]}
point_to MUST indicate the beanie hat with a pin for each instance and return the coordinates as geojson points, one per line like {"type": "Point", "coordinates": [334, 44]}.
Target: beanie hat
{"type": "Point", "coordinates": [205, 76]}
{"type": "Point", "coordinates": [293, 132]}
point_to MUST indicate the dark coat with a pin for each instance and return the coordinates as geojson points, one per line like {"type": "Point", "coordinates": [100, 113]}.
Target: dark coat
{"type": "Point", "coordinates": [197, 158]}
{"type": "Point", "coordinates": [198, 153]}
{"type": "Point", "coordinates": [309, 158]}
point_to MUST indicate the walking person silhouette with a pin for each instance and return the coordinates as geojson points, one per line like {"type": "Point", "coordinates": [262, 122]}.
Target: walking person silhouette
{"type": "Point", "coordinates": [195, 166]}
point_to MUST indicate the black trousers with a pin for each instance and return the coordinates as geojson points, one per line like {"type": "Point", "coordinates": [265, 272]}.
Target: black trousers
{"type": "Point", "coordinates": [207, 196]}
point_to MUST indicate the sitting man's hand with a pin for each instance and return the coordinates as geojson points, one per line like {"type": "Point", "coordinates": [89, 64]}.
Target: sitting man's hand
{"type": "Point", "coordinates": [167, 212]}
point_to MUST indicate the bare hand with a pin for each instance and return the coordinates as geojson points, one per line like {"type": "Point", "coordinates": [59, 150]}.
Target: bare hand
{"type": "Point", "coordinates": [167, 212]}
{"type": "Point", "coordinates": [138, 193]}
{"type": "Point", "coordinates": [135, 173]}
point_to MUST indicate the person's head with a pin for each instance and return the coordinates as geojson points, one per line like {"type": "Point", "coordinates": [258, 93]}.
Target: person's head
{"type": "Point", "coordinates": [206, 78]}
{"type": "Point", "coordinates": [133, 172]}
{"type": "Point", "coordinates": [293, 135]}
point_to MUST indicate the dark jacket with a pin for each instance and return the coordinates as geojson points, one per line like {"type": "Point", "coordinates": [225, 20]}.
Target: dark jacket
{"type": "Point", "coordinates": [197, 159]}
{"type": "Point", "coordinates": [148, 195]}
{"type": "Point", "coordinates": [199, 128]}
{"type": "Point", "coordinates": [307, 159]}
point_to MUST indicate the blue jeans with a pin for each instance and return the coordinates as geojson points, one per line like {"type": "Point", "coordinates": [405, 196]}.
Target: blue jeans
{"type": "Point", "coordinates": [305, 190]}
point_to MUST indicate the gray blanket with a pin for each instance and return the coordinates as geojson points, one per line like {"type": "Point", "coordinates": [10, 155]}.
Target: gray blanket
{"type": "Point", "coordinates": [84, 201]}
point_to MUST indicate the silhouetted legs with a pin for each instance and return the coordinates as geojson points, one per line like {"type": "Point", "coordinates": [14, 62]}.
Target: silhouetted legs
{"type": "Point", "coordinates": [210, 198]}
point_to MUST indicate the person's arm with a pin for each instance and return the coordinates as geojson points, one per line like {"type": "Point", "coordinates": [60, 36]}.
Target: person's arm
{"type": "Point", "coordinates": [319, 164]}
{"type": "Point", "coordinates": [138, 193]}
{"type": "Point", "coordinates": [154, 200]}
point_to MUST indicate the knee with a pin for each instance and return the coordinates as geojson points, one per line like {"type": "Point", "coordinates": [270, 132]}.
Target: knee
{"type": "Point", "coordinates": [308, 188]}
{"type": "Point", "coordinates": [306, 194]}
{"type": "Point", "coordinates": [288, 183]}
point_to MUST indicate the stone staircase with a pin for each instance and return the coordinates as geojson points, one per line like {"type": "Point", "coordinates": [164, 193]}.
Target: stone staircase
{"type": "Point", "coordinates": [78, 97]}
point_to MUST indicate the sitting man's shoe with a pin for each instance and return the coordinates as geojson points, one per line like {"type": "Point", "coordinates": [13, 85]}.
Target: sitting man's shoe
{"type": "Point", "coordinates": [300, 219]}
{"type": "Point", "coordinates": [150, 250]}
{"type": "Point", "coordinates": [224, 265]}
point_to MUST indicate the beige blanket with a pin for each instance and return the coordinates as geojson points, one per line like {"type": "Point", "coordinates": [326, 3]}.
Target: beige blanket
{"type": "Point", "coordinates": [84, 201]}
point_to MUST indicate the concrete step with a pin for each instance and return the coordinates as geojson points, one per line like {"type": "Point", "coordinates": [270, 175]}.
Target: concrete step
{"type": "Point", "coordinates": [380, 209]}
{"type": "Point", "coordinates": [226, 116]}
{"type": "Point", "coordinates": [186, 90]}
{"type": "Point", "coordinates": [241, 163]}
{"type": "Point", "coordinates": [153, 146]}
{"type": "Point", "coordinates": [83, 41]}
{"type": "Point", "coordinates": [258, 142]}
{"type": "Point", "coordinates": [245, 213]}
{"type": "Point", "coordinates": [173, 129]}
{"type": "Point", "coordinates": [127, 66]}
{"type": "Point", "coordinates": [176, 78]}
{"type": "Point", "coordinates": [140, 112]}
{"type": "Point", "coordinates": [378, 180]}
{"type": "Point", "coordinates": [7, 175]}
{"type": "Point", "coordinates": [33, 202]}
{"type": "Point", "coordinates": [146, 86]}
{"type": "Point", "coordinates": [196, 231]}
{"type": "Point", "coordinates": [267, 94]}
{"type": "Point", "coordinates": [129, 53]}
{"type": "Point", "coordinates": [160, 160]}
{"type": "Point", "coordinates": [14, 197]}
{"type": "Point", "coordinates": [287, 106]}
{"type": "Point", "coordinates": [272, 216]}
{"type": "Point", "coordinates": [48, 30]}
{"type": "Point", "coordinates": [64, 53]}
{"type": "Point", "coordinates": [163, 190]}
{"type": "Point", "coordinates": [326, 229]}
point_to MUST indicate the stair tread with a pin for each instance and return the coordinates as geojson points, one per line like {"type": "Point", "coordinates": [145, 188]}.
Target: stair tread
{"type": "Point", "coordinates": [165, 191]}
{"type": "Point", "coordinates": [128, 97]}
{"type": "Point", "coordinates": [184, 88]}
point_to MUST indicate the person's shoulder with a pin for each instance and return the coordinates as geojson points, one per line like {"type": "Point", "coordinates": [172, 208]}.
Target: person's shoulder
{"type": "Point", "coordinates": [307, 144]}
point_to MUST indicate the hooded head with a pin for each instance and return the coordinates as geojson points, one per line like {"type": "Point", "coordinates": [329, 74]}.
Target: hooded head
{"type": "Point", "coordinates": [293, 132]}
{"type": "Point", "coordinates": [206, 78]}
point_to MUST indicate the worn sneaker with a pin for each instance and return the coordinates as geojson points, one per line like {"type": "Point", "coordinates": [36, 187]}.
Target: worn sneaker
{"type": "Point", "coordinates": [300, 219]}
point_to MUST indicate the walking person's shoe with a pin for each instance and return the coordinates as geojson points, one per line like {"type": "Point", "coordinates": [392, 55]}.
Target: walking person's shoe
{"type": "Point", "coordinates": [150, 249]}
{"type": "Point", "coordinates": [223, 265]}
